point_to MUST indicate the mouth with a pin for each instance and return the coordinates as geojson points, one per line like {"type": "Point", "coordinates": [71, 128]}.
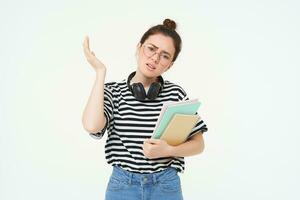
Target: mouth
{"type": "Point", "coordinates": [150, 66]}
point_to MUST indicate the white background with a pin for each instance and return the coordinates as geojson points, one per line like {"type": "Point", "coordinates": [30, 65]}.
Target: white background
{"type": "Point", "coordinates": [240, 58]}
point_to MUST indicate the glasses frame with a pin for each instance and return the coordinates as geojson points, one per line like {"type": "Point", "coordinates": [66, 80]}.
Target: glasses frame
{"type": "Point", "coordinates": [159, 54]}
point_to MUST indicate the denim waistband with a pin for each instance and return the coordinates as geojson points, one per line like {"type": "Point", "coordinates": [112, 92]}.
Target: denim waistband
{"type": "Point", "coordinates": [133, 177]}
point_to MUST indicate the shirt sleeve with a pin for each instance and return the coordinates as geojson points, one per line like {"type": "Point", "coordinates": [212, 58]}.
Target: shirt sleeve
{"type": "Point", "coordinates": [108, 110]}
{"type": "Point", "coordinates": [200, 125]}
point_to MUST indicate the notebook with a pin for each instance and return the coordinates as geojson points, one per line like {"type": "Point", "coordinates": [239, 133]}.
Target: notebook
{"type": "Point", "coordinates": [168, 110]}
{"type": "Point", "coordinates": [179, 128]}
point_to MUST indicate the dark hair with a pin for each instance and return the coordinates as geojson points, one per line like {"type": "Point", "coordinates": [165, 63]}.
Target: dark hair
{"type": "Point", "coordinates": [168, 29]}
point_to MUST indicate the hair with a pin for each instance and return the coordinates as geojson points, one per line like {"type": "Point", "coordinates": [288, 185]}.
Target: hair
{"type": "Point", "coordinates": [168, 29]}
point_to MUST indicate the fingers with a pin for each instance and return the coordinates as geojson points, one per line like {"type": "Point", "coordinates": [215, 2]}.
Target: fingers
{"type": "Point", "coordinates": [152, 141]}
{"type": "Point", "coordinates": [86, 47]}
{"type": "Point", "coordinates": [87, 41]}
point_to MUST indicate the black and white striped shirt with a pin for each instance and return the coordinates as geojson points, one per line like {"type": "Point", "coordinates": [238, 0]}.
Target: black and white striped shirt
{"type": "Point", "coordinates": [130, 122]}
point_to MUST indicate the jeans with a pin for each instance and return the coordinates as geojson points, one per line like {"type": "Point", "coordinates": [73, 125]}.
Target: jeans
{"type": "Point", "coordinates": [125, 185]}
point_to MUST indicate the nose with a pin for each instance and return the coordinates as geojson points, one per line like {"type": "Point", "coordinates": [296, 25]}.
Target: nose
{"type": "Point", "coordinates": [155, 57]}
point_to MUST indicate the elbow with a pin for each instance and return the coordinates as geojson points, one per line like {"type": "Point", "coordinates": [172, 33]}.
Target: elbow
{"type": "Point", "coordinates": [88, 128]}
{"type": "Point", "coordinates": [93, 123]}
{"type": "Point", "coordinates": [198, 142]}
{"type": "Point", "coordinates": [199, 150]}
{"type": "Point", "coordinates": [202, 147]}
{"type": "Point", "coordinates": [91, 127]}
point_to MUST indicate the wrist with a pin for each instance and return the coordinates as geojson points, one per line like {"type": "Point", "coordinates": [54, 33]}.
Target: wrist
{"type": "Point", "coordinates": [100, 73]}
{"type": "Point", "coordinates": [171, 151]}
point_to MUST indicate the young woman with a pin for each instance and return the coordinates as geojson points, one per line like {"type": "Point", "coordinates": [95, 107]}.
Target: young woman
{"type": "Point", "coordinates": [143, 168]}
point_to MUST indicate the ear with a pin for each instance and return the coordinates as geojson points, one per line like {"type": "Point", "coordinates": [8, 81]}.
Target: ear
{"type": "Point", "coordinates": [138, 47]}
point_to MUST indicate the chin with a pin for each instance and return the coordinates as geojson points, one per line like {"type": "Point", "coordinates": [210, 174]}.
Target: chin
{"type": "Point", "coordinates": [147, 73]}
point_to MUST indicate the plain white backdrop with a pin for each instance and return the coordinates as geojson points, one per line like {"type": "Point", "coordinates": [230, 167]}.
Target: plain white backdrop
{"type": "Point", "coordinates": [240, 58]}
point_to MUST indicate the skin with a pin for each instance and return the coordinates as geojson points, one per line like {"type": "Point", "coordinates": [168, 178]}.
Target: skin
{"type": "Point", "coordinates": [152, 148]}
{"type": "Point", "coordinates": [145, 76]}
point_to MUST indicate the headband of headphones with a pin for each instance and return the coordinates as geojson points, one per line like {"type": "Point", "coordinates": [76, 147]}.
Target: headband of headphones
{"type": "Point", "coordinates": [160, 79]}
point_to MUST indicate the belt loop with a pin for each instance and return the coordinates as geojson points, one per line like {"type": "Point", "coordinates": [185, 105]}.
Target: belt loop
{"type": "Point", "coordinates": [154, 179]}
{"type": "Point", "coordinates": [130, 178]}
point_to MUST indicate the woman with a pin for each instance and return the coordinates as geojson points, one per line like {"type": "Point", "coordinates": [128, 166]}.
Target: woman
{"type": "Point", "coordinates": [143, 168]}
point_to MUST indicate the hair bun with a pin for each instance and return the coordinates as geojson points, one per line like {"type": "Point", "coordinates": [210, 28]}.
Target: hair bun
{"type": "Point", "coordinates": [169, 24]}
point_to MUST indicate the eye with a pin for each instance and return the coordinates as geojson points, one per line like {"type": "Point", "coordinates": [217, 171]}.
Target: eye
{"type": "Point", "coordinates": [167, 57]}
{"type": "Point", "coordinates": [151, 48]}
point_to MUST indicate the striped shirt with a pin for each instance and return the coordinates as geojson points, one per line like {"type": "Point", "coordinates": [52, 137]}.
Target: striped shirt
{"type": "Point", "coordinates": [130, 122]}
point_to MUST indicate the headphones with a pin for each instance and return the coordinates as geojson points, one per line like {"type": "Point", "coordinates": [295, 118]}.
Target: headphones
{"type": "Point", "coordinates": [138, 90]}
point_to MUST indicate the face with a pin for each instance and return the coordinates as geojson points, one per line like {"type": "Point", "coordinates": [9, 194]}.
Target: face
{"type": "Point", "coordinates": [155, 55]}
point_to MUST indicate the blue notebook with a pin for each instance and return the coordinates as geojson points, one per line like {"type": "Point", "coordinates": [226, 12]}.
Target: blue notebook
{"type": "Point", "coordinates": [169, 110]}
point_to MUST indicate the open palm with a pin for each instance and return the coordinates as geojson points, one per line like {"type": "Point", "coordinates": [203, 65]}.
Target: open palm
{"type": "Point", "coordinates": [91, 57]}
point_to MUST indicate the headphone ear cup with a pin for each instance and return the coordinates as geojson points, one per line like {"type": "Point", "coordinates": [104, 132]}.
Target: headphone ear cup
{"type": "Point", "coordinates": [154, 90]}
{"type": "Point", "coordinates": [138, 91]}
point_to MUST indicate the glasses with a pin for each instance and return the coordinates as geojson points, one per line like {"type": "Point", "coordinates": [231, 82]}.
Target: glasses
{"type": "Point", "coordinates": [164, 57]}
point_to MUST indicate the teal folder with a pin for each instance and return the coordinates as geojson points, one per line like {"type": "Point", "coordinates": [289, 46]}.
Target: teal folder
{"type": "Point", "coordinates": [170, 109]}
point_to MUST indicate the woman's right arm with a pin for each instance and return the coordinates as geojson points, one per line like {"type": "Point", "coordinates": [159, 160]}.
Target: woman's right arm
{"type": "Point", "coordinates": [93, 118]}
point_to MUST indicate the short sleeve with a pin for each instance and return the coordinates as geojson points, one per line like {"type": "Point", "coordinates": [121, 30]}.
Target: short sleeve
{"type": "Point", "coordinates": [200, 125]}
{"type": "Point", "coordinates": [108, 110]}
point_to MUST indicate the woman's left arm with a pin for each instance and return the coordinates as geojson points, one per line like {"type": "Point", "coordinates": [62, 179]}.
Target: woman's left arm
{"type": "Point", "coordinates": [193, 146]}
{"type": "Point", "coordinates": [156, 148]}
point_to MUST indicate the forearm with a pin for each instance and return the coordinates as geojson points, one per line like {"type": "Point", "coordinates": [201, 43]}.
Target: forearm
{"type": "Point", "coordinates": [189, 148]}
{"type": "Point", "coordinates": [93, 118]}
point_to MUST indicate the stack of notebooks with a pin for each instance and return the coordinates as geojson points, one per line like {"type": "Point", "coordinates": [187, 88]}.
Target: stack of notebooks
{"type": "Point", "coordinates": [176, 121]}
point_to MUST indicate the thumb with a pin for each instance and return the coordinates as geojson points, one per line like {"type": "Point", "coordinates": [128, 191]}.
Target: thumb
{"type": "Point", "coordinates": [153, 141]}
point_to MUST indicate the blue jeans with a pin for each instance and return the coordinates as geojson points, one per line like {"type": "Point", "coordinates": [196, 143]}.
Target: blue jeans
{"type": "Point", "coordinates": [125, 185]}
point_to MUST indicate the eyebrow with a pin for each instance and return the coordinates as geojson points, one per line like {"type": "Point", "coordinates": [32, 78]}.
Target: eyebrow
{"type": "Point", "coordinates": [162, 50]}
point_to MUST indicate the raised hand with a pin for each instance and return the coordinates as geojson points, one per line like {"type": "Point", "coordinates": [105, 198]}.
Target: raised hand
{"type": "Point", "coordinates": [91, 57]}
